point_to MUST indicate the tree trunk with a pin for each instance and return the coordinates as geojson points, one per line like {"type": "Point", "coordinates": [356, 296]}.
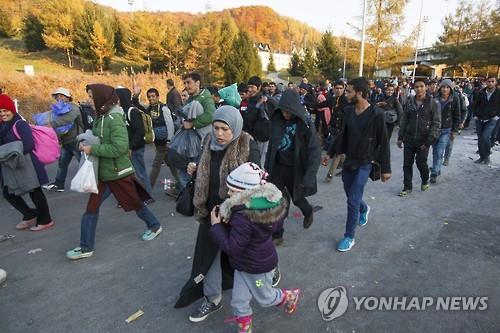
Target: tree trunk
{"type": "Point", "coordinates": [70, 59]}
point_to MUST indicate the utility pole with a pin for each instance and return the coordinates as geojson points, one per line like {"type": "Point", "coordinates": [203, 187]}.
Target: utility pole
{"type": "Point", "coordinates": [416, 43]}
{"type": "Point", "coordinates": [345, 56]}
{"type": "Point", "coordinates": [362, 51]}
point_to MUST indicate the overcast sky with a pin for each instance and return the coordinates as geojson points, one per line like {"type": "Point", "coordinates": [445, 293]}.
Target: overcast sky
{"type": "Point", "coordinates": [320, 14]}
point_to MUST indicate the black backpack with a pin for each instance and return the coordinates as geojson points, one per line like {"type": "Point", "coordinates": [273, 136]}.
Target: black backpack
{"type": "Point", "coordinates": [88, 116]}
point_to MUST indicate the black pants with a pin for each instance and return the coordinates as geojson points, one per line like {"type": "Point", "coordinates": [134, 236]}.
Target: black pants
{"type": "Point", "coordinates": [41, 211]}
{"type": "Point", "coordinates": [412, 152]}
{"type": "Point", "coordinates": [283, 179]}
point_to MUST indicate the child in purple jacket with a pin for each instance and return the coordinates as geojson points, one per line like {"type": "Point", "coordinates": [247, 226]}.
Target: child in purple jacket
{"type": "Point", "coordinates": [254, 211]}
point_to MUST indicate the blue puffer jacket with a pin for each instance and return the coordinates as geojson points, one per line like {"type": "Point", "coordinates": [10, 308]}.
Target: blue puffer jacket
{"type": "Point", "coordinates": [248, 241]}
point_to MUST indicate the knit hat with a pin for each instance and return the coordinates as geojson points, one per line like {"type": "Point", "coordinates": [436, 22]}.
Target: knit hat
{"type": "Point", "coordinates": [447, 82]}
{"type": "Point", "coordinates": [245, 177]}
{"type": "Point", "coordinates": [62, 91]}
{"type": "Point", "coordinates": [6, 103]}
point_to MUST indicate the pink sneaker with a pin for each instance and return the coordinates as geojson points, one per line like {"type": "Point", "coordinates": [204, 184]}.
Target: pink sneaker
{"type": "Point", "coordinates": [25, 224]}
{"type": "Point", "coordinates": [290, 300]}
{"type": "Point", "coordinates": [41, 227]}
{"type": "Point", "coordinates": [244, 323]}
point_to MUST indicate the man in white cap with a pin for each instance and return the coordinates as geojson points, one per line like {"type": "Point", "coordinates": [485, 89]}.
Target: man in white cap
{"type": "Point", "coordinates": [69, 124]}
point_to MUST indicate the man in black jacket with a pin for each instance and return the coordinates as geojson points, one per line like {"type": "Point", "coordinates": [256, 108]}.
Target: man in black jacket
{"type": "Point", "coordinates": [450, 122]}
{"type": "Point", "coordinates": [293, 155]}
{"type": "Point", "coordinates": [419, 129]}
{"type": "Point", "coordinates": [363, 140]}
{"type": "Point", "coordinates": [135, 129]}
{"type": "Point", "coordinates": [336, 102]}
{"type": "Point", "coordinates": [486, 114]}
{"type": "Point", "coordinates": [256, 116]}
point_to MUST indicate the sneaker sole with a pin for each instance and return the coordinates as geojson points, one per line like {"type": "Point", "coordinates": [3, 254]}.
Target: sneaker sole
{"type": "Point", "coordinates": [275, 284]}
{"type": "Point", "coordinates": [81, 256]}
{"type": "Point", "coordinates": [155, 235]}
{"type": "Point", "coordinates": [345, 250]}
{"type": "Point", "coordinates": [200, 319]}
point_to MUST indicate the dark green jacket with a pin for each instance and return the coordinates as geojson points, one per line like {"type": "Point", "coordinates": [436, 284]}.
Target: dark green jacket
{"type": "Point", "coordinates": [114, 162]}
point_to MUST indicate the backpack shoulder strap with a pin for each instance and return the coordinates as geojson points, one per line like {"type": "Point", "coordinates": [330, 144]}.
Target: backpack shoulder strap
{"type": "Point", "coordinates": [14, 129]}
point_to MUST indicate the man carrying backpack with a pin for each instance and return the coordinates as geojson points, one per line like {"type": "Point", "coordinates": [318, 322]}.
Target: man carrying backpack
{"type": "Point", "coordinates": [72, 121]}
{"type": "Point", "coordinates": [163, 127]}
{"type": "Point", "coordinates": [136, 136]}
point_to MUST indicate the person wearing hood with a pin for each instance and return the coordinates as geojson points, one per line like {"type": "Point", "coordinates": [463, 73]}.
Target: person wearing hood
{"type": "Point", "coordinates": [136, 132]}
{"type": "Point", "coordinates": [293, 155]}
{"type": "Point", "coordinates": [115, 175]}
{"type": "Point", "coordinates": [224, 149]}
{"type": "Point", "coordinates": [253, 211]}
{"type": "Point", "coordinates": [69, 147]}
{"type": "Point", "coordinates": [39, 218]}
{"type": "Point", "coordinates": [450, 121]}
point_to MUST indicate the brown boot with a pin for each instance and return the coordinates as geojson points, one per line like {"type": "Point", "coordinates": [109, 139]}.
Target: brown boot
{"type": "Point", "coordinates": [308, 220]}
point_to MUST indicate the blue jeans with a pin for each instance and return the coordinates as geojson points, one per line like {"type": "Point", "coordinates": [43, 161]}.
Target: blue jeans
{"type": "Point", "coordinates": [354, 185]}
{"type": "Point", "coordinates": [68, 151]}
{"type": "Point", "coordinates": [137, 158]}
{"type": "Point", "coordinates": [484, 131]}
{"type": "Point", "coordinates": [438, 151]}
{"type": "Point", "coordinates": [89, 223]}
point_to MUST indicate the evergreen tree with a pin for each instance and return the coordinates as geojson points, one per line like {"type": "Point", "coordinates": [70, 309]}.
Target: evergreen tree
{"type": "Point", "coordinates": [296, 67]}
{"type": "Point", "coordinates": [243, 60]}
{"type": "Point", "coordinates": [471, 35]}
{"type": "Point", "coordinates": [32, 33]}
{"type": "Point", "coordinates": [271, 67]}
{"type": "Point", "coordinates": [328, 60]}
{"type": "Point", "coordinates": [101, 48]}
{"type": "Point", "coordinates": [309, 63]}
{"type": "Point", "coordinates": [119, 35]}
{"type": "Point", "coordinates": [85, 32]}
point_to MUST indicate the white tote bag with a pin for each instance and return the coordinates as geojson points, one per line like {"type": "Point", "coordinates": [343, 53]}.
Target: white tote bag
{"type": "Point", "coordinates": [84, 180]}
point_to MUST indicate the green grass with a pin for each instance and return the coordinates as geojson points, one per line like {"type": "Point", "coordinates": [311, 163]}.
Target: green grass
{"type": "Point", "coordinates": [284, 75]}
{"type": "Point", "coordinates": [13, 57]}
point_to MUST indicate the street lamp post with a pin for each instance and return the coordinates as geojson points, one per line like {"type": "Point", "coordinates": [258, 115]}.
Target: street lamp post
{"type": "Point", "coordinates": [362, 51]}
{"type": "Point", "coordinates": [416, 43]}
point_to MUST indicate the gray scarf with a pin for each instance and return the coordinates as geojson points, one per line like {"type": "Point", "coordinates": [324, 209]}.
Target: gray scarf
{"type": "Point", "coordinates": [232, 117]}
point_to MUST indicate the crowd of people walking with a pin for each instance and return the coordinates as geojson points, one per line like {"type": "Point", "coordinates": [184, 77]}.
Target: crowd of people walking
{"type": "Point", "coordinates": [251, 150]}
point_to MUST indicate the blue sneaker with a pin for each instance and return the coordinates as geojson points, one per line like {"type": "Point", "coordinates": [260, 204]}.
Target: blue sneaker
{"type": "Point", "coordinates": [150, 234]}
{"type": "Point", "coordinates": [346, 244]}
{"type": "Point", "coordinates": [363, 217]}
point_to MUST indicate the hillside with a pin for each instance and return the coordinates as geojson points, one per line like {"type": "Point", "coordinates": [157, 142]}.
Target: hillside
{"type": "Point", "coordinates": [262, 23]}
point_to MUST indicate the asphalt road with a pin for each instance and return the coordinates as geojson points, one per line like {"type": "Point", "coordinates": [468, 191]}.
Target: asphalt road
{"type": "Point", "coordinates": [444, 242]}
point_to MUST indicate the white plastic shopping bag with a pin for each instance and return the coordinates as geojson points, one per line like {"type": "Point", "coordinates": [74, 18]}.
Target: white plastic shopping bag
{"type": "Point", "coordinates": [84, 180]}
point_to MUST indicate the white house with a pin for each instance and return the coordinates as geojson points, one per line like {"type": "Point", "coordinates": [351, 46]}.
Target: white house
{"type": "Point", "coordinates": [281, 60]}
